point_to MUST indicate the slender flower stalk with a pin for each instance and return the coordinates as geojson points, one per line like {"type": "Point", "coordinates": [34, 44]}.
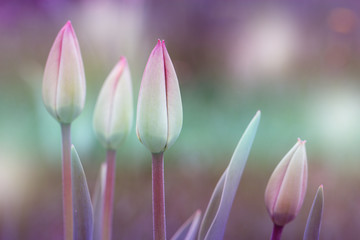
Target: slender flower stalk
{"type": "Point", "coordinates": [159, 221]}
{"type": "Point", "coordinates": [109, 194]}
{"type": "Point", "coordinates": [277, 231]}
{"type": "Point", "coordinates": [67, 182]}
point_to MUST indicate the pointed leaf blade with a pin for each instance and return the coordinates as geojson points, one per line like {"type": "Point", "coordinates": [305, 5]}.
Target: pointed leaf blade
{"type": "Point", "coordinates": [212, 207]}
{"type": "Point", "coordinates": [189, 229]}
{"type": "Point", "coordinates": [217, 213]}
{"type": "Point", "coordinates": [313, 224]}
{"type": "Point", "coordinates": [98, 201]}
{"type": "Point", "coordinates": [83, 212]}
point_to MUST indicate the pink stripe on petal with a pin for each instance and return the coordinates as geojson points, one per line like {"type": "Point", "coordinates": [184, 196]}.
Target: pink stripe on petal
{"type": "Point", "coordinates": [51, 72]}
{"type": "Point", "coordinates": [79, 58]}
{"type": "Point", "coordinates": [173, 97]}
{"type": "Point", "coordinates": [117, 71]}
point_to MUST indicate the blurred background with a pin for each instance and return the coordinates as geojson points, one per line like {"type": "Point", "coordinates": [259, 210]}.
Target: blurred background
{"type": "Point", "coordinates": [296, 61]}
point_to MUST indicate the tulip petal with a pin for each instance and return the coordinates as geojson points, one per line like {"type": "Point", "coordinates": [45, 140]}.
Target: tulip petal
{"type": "Point", "coordinates": [189, 229]}
{"type": "Point", "coordinates": [51, 73]}
{"type": "Point", "coordinates": [313, 224]}
{"type": "Point", "coordinates": [113, 113]}
{"type": "Point", "coordinates": [98, 201]}
{"type": "Point", "coordinates": [122, 117]}
{"type": "Point", "coordinates": [71, 78]}
{"type": "Point", "coordinates": [213, 225]}
{"type": "Point", "coordinates": [151, 123]}
{"type": "Point", "coordinates": [290, 196]}
{"type": "Point", "coordinates": [173, 99]}
{"type": "Point", "coordinates": [83, 212]}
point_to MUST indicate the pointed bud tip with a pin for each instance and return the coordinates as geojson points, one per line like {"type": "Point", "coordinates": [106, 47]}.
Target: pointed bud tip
{"type": "Point", "coordinates": [161, 43]}
{"type": "Point", "coordinates": [122, 61]}
{"type": "Point", "coordinates": [301, 141]}
{"type": "Point", "coordinates": [68, 25]}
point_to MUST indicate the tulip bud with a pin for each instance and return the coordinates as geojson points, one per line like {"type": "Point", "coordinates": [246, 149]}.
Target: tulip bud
{"type": "Point", "coordinates": [159, 109]}
{"type": "Point", "coordinates": [113, 113]}
{"type": "Point", "coordinates": [285, 192]}
{"type": "Point", "coordinates": [64, 78]}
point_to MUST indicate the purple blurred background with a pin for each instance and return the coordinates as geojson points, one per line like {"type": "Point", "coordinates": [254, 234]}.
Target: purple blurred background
{"type": "Point", "coordinates": [297, 61]}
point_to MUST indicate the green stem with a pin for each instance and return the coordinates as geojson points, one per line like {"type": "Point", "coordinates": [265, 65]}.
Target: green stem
{"type": "Point", "coordinates": [67, 182]}
{"type": "Point", "coordinates": [159, 221]}
{"type": "Point", "coordinates": [277, 231]}
{"type": "Point", "coordinates": [109, 194]}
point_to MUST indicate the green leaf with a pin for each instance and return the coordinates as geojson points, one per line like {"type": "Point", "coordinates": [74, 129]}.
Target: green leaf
{"type": "Point", "coordinates": [83, 213]}
{"type": "Point", "coordinates": [217, 213]}
{"type": "Point", "coordinates": [313, 224]}
{"type": "Point", "coordinates": [189, 229]}
{"type": "Point", "coordinates": [98, 201]}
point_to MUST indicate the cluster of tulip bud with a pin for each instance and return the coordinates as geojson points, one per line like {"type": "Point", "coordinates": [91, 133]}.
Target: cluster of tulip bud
{"type": "Point", "coordinates": [158, 125]}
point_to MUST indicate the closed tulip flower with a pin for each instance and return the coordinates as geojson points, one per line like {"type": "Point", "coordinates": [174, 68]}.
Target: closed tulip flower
{"type": "Point", "coordinates": [158, 123]}
{"type": "Point", "coordinates": [63, 93]}
{"type": "Point", "coordinates": [285, 192]}
{"type": "Point", "coordinates": [64, 78]}
{"type": "Point", "coordinates": [159, 109]}
{"type": "Point", "coordinates": [113, 113]}
{"type": "Point", "coordinates": [113, 118]}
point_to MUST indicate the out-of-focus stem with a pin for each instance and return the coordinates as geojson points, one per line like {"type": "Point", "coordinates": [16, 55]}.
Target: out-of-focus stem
{"type": "Point", "coordinates": [159, 220]}
{"type": "Point", "coordinates": [277, 231]}
{"type": "Point", "coordinates": [67, 182]}
{"type": "Point", "coordinates": [109, 195]}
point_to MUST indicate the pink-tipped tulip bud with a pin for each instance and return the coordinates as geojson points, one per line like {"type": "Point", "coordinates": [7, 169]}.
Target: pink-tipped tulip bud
{"type": "Point", "coordinates": [64, 78]}
{"type": "Point", "coordinates": [285, 192]}
{"type": "Point", "coordinates": [159, 109]}
{"type": "Point", "coordinates": [113, 113]}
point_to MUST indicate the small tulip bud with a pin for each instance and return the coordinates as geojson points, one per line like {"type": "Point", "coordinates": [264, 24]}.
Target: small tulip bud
{"type": "Point", "coordinates": [113, 113]}
{"type": "Point", "coordinates": [285, 192]}
{"type": "Point", "coordinates": [159, 109]}
{"type": "Point", "coordinates": [64, 78]}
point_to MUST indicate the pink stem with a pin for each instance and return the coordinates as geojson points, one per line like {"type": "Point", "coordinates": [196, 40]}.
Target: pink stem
{"type": "Point", "coordinates": [109, 194]}
{"type": "Point", "coordinates": [159, 222]}
{"type": "Point", "coordinates": [67, 182]}
{"type": "Point", "coordinates": [277, 231]}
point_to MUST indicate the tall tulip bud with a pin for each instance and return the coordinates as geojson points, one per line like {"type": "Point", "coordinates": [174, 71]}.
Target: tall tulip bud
{"type": "Point", "coordinates": [159, 109]}
{"type": "Point", "coordinates": [64, 78]}
{"type": "Point", "coordinates": [285, 192]}
{"type": "Point", "coordinates": [113, 113]}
